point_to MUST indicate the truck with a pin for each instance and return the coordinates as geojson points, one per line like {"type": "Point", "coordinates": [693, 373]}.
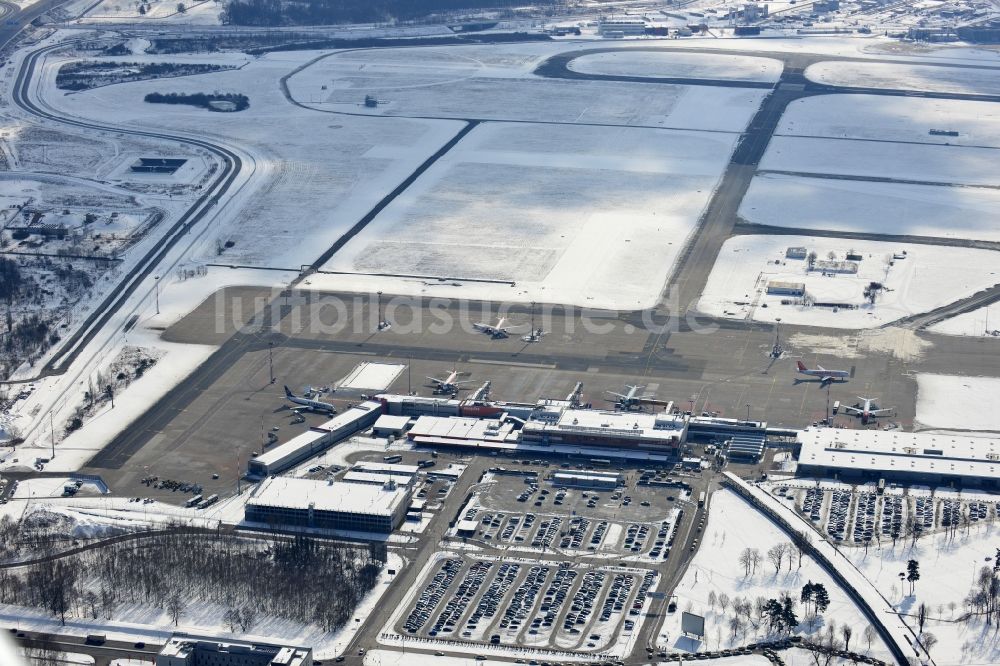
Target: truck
{"type": "Point", "coordinates": [392, 459]}
{"type": "Point", "coordinates": [701, 499]}
{"type": "Point", "coordinates": [836, 407]}
{"type": "Point", "coordinates": [96, 639]}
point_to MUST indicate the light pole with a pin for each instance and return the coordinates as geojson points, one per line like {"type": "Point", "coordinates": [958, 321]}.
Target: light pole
{"type": "Point", "coordinates": [156, 287]}
{"type": "Point", "coordinates": [748, 412]}
{"type": "Point", "coordinates": [381, 319]}
{"type": "Point", "coordinates": [270, 360]}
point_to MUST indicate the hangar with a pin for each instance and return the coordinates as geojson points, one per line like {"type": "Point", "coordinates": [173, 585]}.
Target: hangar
{"type": "Point", "coordinates": [893, 455]}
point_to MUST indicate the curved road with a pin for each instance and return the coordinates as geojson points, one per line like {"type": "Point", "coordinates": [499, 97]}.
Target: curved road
{"type": "Point", "coordinates": [232, 166]}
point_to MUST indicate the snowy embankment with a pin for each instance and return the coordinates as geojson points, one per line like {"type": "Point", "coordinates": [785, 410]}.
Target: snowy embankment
{"type": "Point", "coordinates": [878, 605]}
{"type": "Point", "coordinates": [716, 573]}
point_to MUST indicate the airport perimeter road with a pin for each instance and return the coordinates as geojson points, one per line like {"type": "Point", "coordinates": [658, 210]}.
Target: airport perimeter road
{"type": "Point", "coordinates": [232, 165]}
{"type": "Point", "coordinates": [103, 654]}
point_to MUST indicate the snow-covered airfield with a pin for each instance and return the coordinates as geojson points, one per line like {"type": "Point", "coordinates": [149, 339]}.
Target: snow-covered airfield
{"type": "Point", "coordinates": [567, 192]}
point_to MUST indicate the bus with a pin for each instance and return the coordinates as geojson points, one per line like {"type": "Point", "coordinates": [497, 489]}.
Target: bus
{"type": "Point", "coordinates": [392, 459]}
{"type": "Point", "coordinates": [193, 501]}
{"type": "Point", "coordinates": [701, 499]}
{"type": "Point", "coordinates": [600, 462]}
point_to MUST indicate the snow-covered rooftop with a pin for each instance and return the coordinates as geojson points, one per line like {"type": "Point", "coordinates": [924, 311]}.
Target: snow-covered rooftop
{"type": "Point", "coordinates": [325, 496]}
{"type": "Point", "coordinates": [901, 452]}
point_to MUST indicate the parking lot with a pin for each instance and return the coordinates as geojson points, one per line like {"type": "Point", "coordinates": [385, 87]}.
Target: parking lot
{"type": "Point", "coordinates": [534, 603]}
{"type": "Point", "coordinates": [864, 515]}
{"type": "Point", "coordinates": [525, 511]}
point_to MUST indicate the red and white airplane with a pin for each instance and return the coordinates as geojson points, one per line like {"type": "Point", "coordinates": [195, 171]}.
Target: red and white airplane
{"type": "Point", "coordinates": [867, 410]}
{"type": "Point", "coordinates": [498, 331]}
{"type": "Point", "coordinates": [825, 376]}
{"type": "Point", "coordinates": [449, 384]}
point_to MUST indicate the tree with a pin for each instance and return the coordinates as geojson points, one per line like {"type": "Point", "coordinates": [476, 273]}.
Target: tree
{"type": "Point", "coordinates": [723, 601]}
{"type": "Point", "coordinates": [928, 640]}
{"type": "Point", "coordinates": [806, 598]}
{"type": "Point", "coordinates": [142, 9]}
{"type": "Point", "coordinates": [869, 635]}
{"type": "Point", "coordinates": [912, 573]}
{"type": "Point", "coordinates": [921, 617]}
{"type": "Point", "coordinates": [712, 598]}
{"type": "Point", "coordinates": [775, 555]}
{"type": "Point", "coordinates": [847, 632]}
{"type": "Point", "coordinates": [801, 542]}
{"type": "Point", "coordinates": [811, 258]}
{"type": "Point", "coordinates": [821, 598]}
{"type": "Point", "coordinates": [745, 560]}
{"type": "Point", "coordinates": [175, 607]}
{"type": "Point", "coordinates": [181, 8]}
{"type": "Point", "coordinates": [232, 619]}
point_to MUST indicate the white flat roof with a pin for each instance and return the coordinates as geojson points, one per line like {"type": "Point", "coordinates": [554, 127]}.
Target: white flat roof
{"type": "Point", "coordinates": [901, 452]}
{"type": "Point", "coordinates": [291, 447]}
{"type": "Point", "coordinates": [640, 425]}
{"type": "Point", "coordinates": [372, 376]}
{"type": "Point", "coordinates": [392, 422]}
{"type": "Point", "coordinates": [385, 468]}
{"type": "Point", "coordinates": [357, 498]}
{"type": "Point", "coordinates": [586, 476]}
{"type": "Point", "coordinates": [460, 428]}
{"type": "Point", "coordinates": [376, 477]}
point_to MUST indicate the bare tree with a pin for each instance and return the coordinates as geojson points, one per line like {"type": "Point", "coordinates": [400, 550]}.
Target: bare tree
{"type": "Point", "coordinates": [869, 635]}
{"type": "Point", "coordinates": [175, 606]}
{"type": "Point", "coordinates": [846, 632]}
{"type": "Point", "coordinates": [746, 560]}
{"type": "Point", "coordinates": [928, 640]}
{"type": "Point", "coordinates": [775, 555]}
{"type": "Point", "coordinates": [723, 601]}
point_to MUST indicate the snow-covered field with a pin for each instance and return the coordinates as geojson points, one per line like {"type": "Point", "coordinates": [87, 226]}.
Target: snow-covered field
{"type": "Point", "coordinates": [671, 64]}
{"type": "Point", "coordinates": [979, 322]}
{"type": "Point", "coordinates": [908, 77]}
{"type": "Point", "coordinates": [579, 215]}
{"type": "Point", "coordinates": [957, 403]}
{"type": "Point", "coordinates": [159, 12]}
{"type": "Point", "coordinates": [865, 207]}
{"type": "Point", "coordinates": [925, 279]}
{"type": "Point", "coordinates": [883, 118]}
{"type": "Point", "coordinates": [732, 526]}
{"type": "Point", "coordinates": [965, 165]}
{"type": "Point", "coordinates": [947, 569]}
{"type": "Point", "coordinates": [496, 83]}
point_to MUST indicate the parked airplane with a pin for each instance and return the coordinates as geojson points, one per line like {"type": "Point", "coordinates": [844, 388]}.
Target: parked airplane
{"type": "Point", "coordinates": [867, 410]}
{"type": "Point", "coordinates": [309, 403]}
{"type": "Point", "coordinates": [825, 376]}
{"type": "Point", "coordinates": [633, 398]}
{"type": "Point", "coordinates": [497, 332]}
{"type": "Point", "coordinates": [449, 384]}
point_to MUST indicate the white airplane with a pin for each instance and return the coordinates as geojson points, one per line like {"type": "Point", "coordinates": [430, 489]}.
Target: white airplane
{"type": "Point", "coordinates": [825, 376]}
{"type": "Point", "coordinates": [631, 399]}
{"type": "Point", "coordinates": [449, 384]}
{"type": "Point", "coordinates": [497, 332]}
{"type": "Point", "coordinates": [867, 410]}
{"type": "Point", "coordinates": [309, 403]}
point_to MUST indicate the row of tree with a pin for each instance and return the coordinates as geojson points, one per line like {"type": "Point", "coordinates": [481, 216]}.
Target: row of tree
{"type": "Point", "coordinates": [323, 12]}
{"type": "Point", "coordinates": [298, 579]}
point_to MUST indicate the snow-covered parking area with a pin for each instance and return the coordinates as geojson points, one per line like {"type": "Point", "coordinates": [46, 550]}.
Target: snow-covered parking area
{"type": "Point", "coordinates": [922, 278]}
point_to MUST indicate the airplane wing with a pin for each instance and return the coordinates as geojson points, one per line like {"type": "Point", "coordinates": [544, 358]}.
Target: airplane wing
{"type": "Point", "coordinates": [464, 381]}
{"type": "Point", "coordinates": [617, 395]}
{"type": "Point", "coordinates": [436, 380]}
{"type": "Point", "coordinates": [885, 411]}
{"type": "Point", "coordinates": [853, 411]}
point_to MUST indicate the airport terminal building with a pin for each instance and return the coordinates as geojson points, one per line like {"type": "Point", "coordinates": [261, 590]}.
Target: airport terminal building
{"type": "Point", "coordinates": [317, 504]}
{"type": "Point", "coordinates": [893, 455]}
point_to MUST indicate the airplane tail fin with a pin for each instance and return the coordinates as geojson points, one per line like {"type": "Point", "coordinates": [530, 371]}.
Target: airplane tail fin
{"type": "Point", "coordinates": [288, 392]}
{"type": "Point", "coordinates": [802, 366]}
